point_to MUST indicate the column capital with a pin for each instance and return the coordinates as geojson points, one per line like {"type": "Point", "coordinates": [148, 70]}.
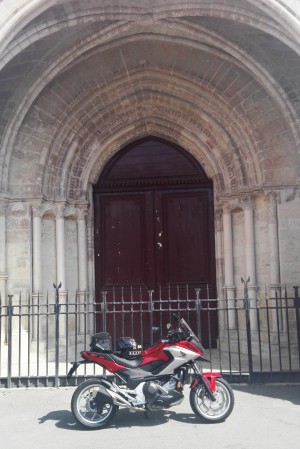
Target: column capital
{"type": "Point", "coordinates": [60, 210]}
{"type": "Point", "coordinates": [247, 202]}
{"type": "Point", "coordinates": [37, 210]}
{"type": "Point", "coordinates": [82, 212]}
{"type": "Point", "coordinates": [227, 208]}
{"type": "Point", "coordinates": [230, 205]}
{"type": "Point", "coordinates": [70, 212]}
{"type": "Point", "coordinates": [272, 197]}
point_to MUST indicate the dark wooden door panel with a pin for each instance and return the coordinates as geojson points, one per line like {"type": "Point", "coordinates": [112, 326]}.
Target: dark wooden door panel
{"type": "Point", "coordinates": [184, 237]}
{"type": "Point", "coordinates": [155, 238]}
{"type": "Point", "coordinates": [125, 257]}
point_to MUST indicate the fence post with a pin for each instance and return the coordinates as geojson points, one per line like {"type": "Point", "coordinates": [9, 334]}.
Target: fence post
{"type": "Point", "coordinates": [248, 326]}
{"type": "Point", "coordinates": [56, 313]}
{"type": "Point", "coordinates": [198, 311]}
{"type": "Point", "coordinates": [150, 308]}
{"type": "Point", "coordinates": [104, 309]}
{"type": "Point", "coordinates": [10, 312]}
{"type": "Point", "coordinates": [297, 310]}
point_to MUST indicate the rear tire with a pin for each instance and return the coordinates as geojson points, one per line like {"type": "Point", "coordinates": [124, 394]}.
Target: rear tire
{"type": "Point", "coordinates": [212, 411]}
{"type": "Point", "coordinates": [88, 410]}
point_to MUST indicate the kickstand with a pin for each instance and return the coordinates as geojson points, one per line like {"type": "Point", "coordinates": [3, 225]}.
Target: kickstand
{"type": "Point", "coordinates": [146, 414]}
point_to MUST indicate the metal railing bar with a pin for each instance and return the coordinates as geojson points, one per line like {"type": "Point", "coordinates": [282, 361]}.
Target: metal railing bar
{"type": "Point", "coordinates": [9, 340]}
{"type": "Point", "coordinates": [287, 327]}
{"type": "Point", "coordinates": [269, 338]}
{"type": "Point", "coordinates": [47, 335]}
{"type": "Point", "coordinates": [238, 338]}
{"type": "Point", "coordinates": [259, 333]}
{"type": "Point", "coordinates": [20, 338]}
{"type": "Point", "coordinates": [134, 310]}
{"type": "Point", "coordinates": [2, 318]}
{"type": "Point", "coordinates": [297, 311]}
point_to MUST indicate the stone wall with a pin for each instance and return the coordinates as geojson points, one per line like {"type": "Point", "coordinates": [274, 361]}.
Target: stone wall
{"type": "Point", "coordinates": [80, 80]}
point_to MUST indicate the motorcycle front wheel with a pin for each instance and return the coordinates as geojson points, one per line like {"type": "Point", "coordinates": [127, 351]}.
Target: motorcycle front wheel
{"type": "Point", "coordinates": [212, 411]}
{"type": "Point", "coordinates": [89, 408]}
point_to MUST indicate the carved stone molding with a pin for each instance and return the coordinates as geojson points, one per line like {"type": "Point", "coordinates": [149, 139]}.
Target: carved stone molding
{"type": "Point", "coordinates": [290, 194]}
{"type": "Point", "coordinates": [18, 209]}
{"type": "Point", "coordinates": [3, 208]}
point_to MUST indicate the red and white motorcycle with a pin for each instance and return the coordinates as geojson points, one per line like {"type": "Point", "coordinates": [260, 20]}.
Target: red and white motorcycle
{"type": "Point", "coordinates": [152, 380]}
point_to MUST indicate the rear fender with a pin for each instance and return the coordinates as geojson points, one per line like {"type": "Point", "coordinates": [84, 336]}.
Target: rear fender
{"type": "Point", "coordinates": [74, 367]}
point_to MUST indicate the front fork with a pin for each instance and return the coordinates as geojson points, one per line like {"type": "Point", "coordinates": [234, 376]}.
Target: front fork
{"type": "Point", "coordinates": [208, 380]}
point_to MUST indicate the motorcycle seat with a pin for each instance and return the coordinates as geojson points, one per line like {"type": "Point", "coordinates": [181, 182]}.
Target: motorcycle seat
{"type": "Point", "coordinates": [128, 363]}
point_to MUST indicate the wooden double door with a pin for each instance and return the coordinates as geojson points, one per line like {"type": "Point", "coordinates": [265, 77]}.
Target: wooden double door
{"type": "Point", "coordinates": [154, 238]}
{"type": "Point", "coordinates": [154, 229]}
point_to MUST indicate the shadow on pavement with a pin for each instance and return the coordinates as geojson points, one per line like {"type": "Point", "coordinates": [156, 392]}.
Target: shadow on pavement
{"type": "Point", "coordinates": [65, 420]}
{"type": "Point", "coordinates": [285, 392]}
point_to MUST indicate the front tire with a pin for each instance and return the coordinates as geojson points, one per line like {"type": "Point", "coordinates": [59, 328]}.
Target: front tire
{"type": "Point", "coordinates": [212, 411]}
{"type": "Point", "coordinates": [89, 410]}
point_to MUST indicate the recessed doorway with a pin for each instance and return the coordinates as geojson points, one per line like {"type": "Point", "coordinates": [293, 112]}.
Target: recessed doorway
{"type": "Point", "coordinates": [154, 224]}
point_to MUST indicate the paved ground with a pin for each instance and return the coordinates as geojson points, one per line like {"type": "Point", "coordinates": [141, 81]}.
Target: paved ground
{"type": "Point", "coordinates": [264, 417]}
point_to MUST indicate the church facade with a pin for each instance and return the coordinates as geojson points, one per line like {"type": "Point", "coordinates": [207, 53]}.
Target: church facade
{"type": "Point", "coordinates": [214, 87]}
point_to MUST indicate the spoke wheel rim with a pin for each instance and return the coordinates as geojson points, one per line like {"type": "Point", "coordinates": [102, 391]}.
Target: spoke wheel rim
{"type": "Point", "coordinates": [88, 408]}
{"type": "Point", "coordinates": [213, 409]}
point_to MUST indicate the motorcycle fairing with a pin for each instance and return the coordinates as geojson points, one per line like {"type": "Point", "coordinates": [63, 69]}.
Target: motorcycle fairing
{"type": "Point", "coordinates": [155, 353]}
{"type": "Point", "coordinates": [178, 355]}
{"type": "Point", "coordinates": [193, 346]}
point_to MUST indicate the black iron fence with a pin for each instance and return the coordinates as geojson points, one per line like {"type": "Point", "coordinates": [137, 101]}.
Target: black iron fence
{"type": "Point", "coordinates": [255, 337]}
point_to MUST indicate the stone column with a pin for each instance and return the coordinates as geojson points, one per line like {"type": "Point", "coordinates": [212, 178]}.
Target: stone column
{"type": "Point", "coordinates": [60, 248]}
{"type": "Point", "coordinates": [273, 254]}
{"type": "Point", "coordinates": [228, 265]}
{"type": "Point", "coordinates": [37, 263]}
{"type": "Point", "coordinates": [82, 268]}
{"type": "Point", "coordinates": [91, 269]}
{"type": "Point", "coordinates": [248, 206]}
{"type": "Point", "coordinates": [219, 250]}
{"type": "Point", "coordinates": [3, 262]}
{"type": "Point", "coordinates": [273, 240]}
{"type": "Point", "coordinates": [37, 249]}
{"type": "Point", "coordinates": [61, 268]}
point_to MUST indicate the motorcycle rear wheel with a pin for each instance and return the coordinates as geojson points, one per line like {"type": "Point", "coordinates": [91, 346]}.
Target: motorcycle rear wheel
{"type": "Point", "coordinates": [212, 411]}
{"type": "Point", "coordinates": [88, 410]}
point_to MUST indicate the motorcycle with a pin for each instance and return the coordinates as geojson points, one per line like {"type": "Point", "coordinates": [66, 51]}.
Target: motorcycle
{"type": "Point", "coordinates": [151, 380]}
